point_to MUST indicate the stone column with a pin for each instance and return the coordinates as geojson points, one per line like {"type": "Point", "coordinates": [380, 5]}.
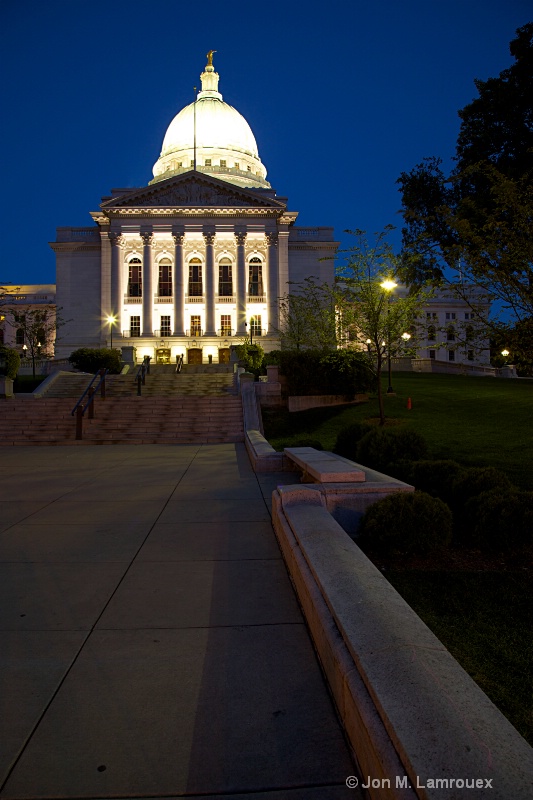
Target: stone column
{"type": "Point", "coordinates": [273, 294]}
{"type": "Point", "coordinates": [283, 259]}
{"type": "Point", "coordinates": [178, 285]}
{"type": "Point", "coordinates": [148, 286]}
{"type": "Point", "coordinates": [241, 284]}
{"type": "Point", "coordinates": [117, 291]}
{"type": "Point", "coordinates": [209, 284]}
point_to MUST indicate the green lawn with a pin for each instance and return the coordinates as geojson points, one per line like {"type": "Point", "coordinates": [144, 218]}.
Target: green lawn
{"type": "Point", "coordinates": [480, 610]}
{"type": "Point", "coordinates": [476, 421]}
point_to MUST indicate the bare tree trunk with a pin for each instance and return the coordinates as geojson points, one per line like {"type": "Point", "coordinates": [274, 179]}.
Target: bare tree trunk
{"type": "Point", "coordinates": [380, 393]}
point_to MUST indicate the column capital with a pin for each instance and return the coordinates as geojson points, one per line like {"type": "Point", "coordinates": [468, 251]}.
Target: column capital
{"type": "Point", "coordinates": [271, 237]}
{"type": "Point", "coordinates": [147, 238]}
{"type": "Point", "coordinates": [241, 237]}
{"type": "Point", "coordinates": [116, 239]}
{"type": "Point", "coordinates": [209, 237]}
{"type": "Point", "coordinates": [179, 238]}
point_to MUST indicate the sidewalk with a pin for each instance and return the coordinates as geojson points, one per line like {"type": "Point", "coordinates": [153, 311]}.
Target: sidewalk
{"type": "Point", "coordinates": [150, 641]}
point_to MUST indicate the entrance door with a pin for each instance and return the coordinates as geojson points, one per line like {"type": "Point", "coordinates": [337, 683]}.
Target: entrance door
{"type": "Point", "coordinates": [194, 355]}
{"type": "Point", "coordinates": [162, 355]}
{"type": "Point", "coordinates": [223, 355]}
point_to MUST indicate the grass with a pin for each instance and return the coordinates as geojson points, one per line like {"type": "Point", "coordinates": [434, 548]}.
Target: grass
{"type": "Point", "coordinates": [481, 611]}
{"type": "Point", "coordinates": [475, 421]}
{"type": "Point", "coordinates": [27, 383]}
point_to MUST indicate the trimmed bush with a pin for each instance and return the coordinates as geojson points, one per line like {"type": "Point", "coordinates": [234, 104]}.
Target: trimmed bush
{"type": "Point", "coordinates": [11, 361]}
{"type": "Point", "coordinates": [348, 439]}
{"type": "Point", "coordinates": [434, 477]}
{"type": "Point", "coordinates": [380, 448]}
{"type": "Point", "coordinates": [475, 480]}
{"type": "Point", "coordinates": [501, 520]}
{"type": "Point", "coordinates": [88, 359]}
{"type": "Point", "coordinates": [410, 523]}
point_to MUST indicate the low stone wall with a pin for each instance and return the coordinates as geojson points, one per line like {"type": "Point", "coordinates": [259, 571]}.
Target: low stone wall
{"type": "Point", "coordinates": [303, 402]}
{"type": "Point", "coordinates": [419, 725]}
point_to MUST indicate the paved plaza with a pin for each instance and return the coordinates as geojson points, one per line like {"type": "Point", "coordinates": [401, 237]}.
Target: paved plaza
{"type": "Point", "coordinates": [151, 644]}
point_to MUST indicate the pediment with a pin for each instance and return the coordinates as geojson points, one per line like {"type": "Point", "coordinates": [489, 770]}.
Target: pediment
{"type": "Point", "coordinates": [192, 189]}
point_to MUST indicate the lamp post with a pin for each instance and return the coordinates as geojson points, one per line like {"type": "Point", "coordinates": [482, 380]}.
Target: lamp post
{"type": "Point", "coordinates": [505, 353]}
{"type": "Point", "coordinates": [388, 286]}
{"type": "Point", "coordinates": [24, 351]}
{"type": "Point", "coordinates": [111, 321]}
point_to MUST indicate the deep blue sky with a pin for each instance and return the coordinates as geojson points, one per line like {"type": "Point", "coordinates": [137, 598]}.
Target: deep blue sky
{"type": "Point", "coordinates": [341, 97]}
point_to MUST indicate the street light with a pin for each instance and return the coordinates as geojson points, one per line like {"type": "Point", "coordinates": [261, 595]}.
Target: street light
{"type": "Point", "coordinates": [505, 353]}
{"type": "Point", "coordinates": [111, 321]}
{"type": "Point", "coordinates": [24, 348]}
{"type": "Point", "coordinates": [388, 285]}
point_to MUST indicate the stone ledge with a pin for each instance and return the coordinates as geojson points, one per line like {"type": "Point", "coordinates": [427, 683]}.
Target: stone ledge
{"type": "Point", "coordinates": [408, 707]}
{"type": "Point", "coordinates": [324, 467]}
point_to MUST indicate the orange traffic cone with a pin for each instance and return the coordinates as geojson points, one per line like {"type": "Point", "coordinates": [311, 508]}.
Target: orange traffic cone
{"type": "Point", "coordinates": [409, 404]}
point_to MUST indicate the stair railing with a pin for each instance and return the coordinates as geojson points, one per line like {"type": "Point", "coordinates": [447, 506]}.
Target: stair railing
{"type": "Point", "coordinates": [179, 364]}
{"type": "Point", "coordinates": [142, 372]}
{"type": "Point", "coordinates": [80, 409]}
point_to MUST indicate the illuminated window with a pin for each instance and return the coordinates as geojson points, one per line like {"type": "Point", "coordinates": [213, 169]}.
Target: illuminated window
{"type": "Point", "coordinates": [255, 325]}
{"type": "Point", "coordinates": [135, 278]}
{"type": "Point", "coordinates": [255, 283]}
{"type": "Point", "coordinates": [225, 284]}
{"type": "Point", "coordinates": [237, 165]}
{"type": "Point", "coordinates": [196, 327]}
{"type": "Point", "coordinates": [208, 162]}
{"type": "Point", "coordinates": [165, 325]}
{"type": "Point", "coordinates": [225, 325]}
{"type": "Point", "coordinates": [249, 169]}
{"type": "Point", "coordinates": [135, 326]}
{"type": "Point", "coordinates": [195, 277]}
{"type": "Point", "coordinates": [165, 278]}
{"type": "Point", "coordinates": [222, 162]}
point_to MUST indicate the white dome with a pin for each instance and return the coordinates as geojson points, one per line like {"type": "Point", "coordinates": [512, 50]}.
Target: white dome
{"type": "Point", "coordinates": [225, 144]}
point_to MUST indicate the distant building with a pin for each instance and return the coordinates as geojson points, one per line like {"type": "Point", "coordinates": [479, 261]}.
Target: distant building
{"type": "Point", "coordinates": [20, 300]}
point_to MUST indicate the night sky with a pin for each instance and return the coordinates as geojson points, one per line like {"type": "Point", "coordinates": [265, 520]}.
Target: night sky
{"type": "Point", "coordinates": [341, 97]}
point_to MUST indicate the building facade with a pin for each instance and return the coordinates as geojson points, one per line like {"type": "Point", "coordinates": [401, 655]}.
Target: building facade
{"type": "Point", "coordinates": [195, 261]}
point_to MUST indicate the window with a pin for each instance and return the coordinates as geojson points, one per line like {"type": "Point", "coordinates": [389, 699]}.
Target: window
{"type": "Point", "coordinates": [222, 162]}
{"type": "Point", "coordinates": [249, 169]}
{"type": "Point", "coordinates": [225, 325]}
{"type": "Point", "coordinates": [470, 355]}
{"type": "Point", "coordinates": [432, 354]}
{"type": "Point", "coordinates": [255, 285]}
{"type": "Point", "coordinates": [431, 315]}
{"type": "Point", "coordinates": [225, 285]}
{"type": "Point", "coordinates": [196, 326]}
{"type": "Point", "coordinates": [450, 315]}
{"type": "Point", "coordinates": [469, 316]}
{"type": "Point", "coordinates": [19, 336]}
{"type": "Point", "coordinates": [165, 325]}
{"type": "Point", "coordinates": [255, 325]}
{"type": "Point", "coordinates": [208, 162]}
{"type": "Point", "coordinates": [237, 165]}
{"type": "Point", "coordinates": [135, 278]}
{"type": "Point", "coordinates": [195, 277]}
{"type": "Point", "coordinates": [450, 334]}
{"type": "Point", "coordinates": [469, 333]}
{"type": "Point", "coordinates": [135, 326]}
{"type": "Point", "coordinates": [432, 333]}
{"type": "Point", "coordinates": [451, 355]}
{"type": "Point", "coordinates": [165, 278]}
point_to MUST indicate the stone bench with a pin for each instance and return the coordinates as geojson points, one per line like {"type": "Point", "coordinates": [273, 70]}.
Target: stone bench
{"type": "Point", "coordinates": [323, 467]}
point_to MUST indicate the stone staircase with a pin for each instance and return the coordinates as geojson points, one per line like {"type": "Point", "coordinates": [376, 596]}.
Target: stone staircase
{"type": "Point", "coordinates": [197, 407]}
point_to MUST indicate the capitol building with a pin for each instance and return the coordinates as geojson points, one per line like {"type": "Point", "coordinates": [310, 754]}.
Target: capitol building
{"type": "Point", "coordinates": [196, 260]}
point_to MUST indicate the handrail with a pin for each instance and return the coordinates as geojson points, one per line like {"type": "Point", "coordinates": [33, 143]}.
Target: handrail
{"type": "Point", "coordinates": [102, 373]}
{"type": "Point", "coordinates": [179, 364]}
{"type": "Point", "coordinates": [80, 410]}
{"type": "Point", "coordinates": [142, 372]}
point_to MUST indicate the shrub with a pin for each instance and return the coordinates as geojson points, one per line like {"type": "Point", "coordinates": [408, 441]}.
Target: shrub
{"type": "Point", "coordinates": [251, 356]}
{"type": "Point", "coordinates": [406, 522]}
{"type": "Point", "coordinates": [473, 481]}
{"type": "Point", "coordinates": [348, 438]}
{"type": "Point", "coordinates": [501, 520]}
{"type": "Point", "coordinates": [308, 372]}
{"type": "Point", "coordinates": [434, 477]}
{"type": "Point", "coordinates": [379, 448]}
{"type": "Point", "coordinates": [88, 359]}
{"type": "Point", "coordinates": [11, 361]}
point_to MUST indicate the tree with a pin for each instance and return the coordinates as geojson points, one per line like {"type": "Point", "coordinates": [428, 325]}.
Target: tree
{"type": "Point", "coordinates": [474, 226]}
{"type": "Point", "coordinates": [37, 326]}
{"type": "Point", "coordinates": [372, 316]}
{"type": "Point", "coordinates": [308, 316]}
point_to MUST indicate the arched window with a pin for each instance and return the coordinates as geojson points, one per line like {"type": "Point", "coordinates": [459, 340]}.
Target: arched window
{"type": "Point", "coordinates": [225, 283]}
{"type": "Point", "coordinates": [165, 278]}
{"type": "Point", "coordinates": [255, 283]}
{"type": "Point", "coordinates": [135, 286]}
{"type": "Point", "coordinates": [195, 277]}
{"type": "Point", "coordinates": [19, 336]}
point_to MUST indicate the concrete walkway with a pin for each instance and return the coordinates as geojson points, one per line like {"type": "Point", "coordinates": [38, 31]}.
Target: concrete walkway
{"type": "Point", "coordinates": [150, 641]}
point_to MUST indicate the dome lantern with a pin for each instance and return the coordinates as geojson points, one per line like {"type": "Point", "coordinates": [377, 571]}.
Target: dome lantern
{"type": "Point", "coordinates": [224, 143]}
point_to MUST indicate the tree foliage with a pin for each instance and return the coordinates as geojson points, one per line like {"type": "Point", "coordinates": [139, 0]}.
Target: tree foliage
{"type": "Point", "coordinates": [39, 326]}
{"type": "Point", "coordinates": [475, 224]}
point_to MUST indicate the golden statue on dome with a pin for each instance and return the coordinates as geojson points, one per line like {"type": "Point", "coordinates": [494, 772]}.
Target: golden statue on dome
{"type": "Point", "coordinates": [210, 58]}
